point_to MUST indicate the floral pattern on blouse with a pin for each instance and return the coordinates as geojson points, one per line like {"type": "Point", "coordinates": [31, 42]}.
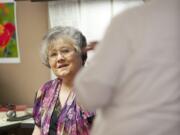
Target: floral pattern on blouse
{"type": "Point", "coordinates": [73, 120]}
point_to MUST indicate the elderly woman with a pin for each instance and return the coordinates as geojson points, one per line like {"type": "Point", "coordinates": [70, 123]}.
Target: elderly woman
{"type": "Point", "coordinates": [56, 111]}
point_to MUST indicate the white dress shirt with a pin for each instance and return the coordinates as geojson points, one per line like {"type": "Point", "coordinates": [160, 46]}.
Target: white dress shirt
{"type": "Point", "coordinates": [133, 81]}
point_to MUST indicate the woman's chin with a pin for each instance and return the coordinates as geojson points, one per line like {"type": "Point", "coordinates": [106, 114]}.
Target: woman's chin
{"type": "Point", "coordinates": [63, 75]}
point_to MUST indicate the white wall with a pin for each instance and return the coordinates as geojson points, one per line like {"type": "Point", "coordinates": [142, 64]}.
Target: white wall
{"type": "Point", "coordinates": [90, 16]}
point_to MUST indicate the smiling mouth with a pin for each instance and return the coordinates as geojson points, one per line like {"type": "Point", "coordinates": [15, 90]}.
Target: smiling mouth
{"type": "Point", "coordinates": [63, 65]}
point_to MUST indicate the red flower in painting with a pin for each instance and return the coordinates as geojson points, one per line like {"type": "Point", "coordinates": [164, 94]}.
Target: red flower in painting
{"type": "Point", "coordinates": [6, 32]}
{"type": "Point", "coordinates": [1, 5]}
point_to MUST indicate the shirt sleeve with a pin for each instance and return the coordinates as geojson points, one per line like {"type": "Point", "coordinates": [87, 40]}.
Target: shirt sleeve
{"type": "Point", "coordinates": [95, 83]}
{"type": "Point", "coordinates": [38, 102]}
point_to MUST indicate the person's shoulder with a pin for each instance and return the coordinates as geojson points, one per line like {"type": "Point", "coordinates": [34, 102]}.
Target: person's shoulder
{"type": "Point", "coordinates": [46, 86]}
{"type": "Point", "coordinates": [130, 12]}
{"type": "Point", "coordinates": [129, 18]}
{"type": "Point", "coordinates": [50, 82]}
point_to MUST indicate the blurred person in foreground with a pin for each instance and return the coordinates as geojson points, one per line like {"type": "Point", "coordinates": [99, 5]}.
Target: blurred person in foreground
{"type": "Point", "coordinates": [133, 80]}
{"type": "Point", "coordinates": [56, 111]}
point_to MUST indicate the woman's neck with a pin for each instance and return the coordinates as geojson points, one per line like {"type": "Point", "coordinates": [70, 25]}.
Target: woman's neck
{"type": "Point", "coordinates": [67, 85]}
{"type": "Point", "coordinates": [64, 93]}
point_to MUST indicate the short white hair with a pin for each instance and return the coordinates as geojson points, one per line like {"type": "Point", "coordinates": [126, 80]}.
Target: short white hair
{"type": "Point", "coordinates": [61, 32]}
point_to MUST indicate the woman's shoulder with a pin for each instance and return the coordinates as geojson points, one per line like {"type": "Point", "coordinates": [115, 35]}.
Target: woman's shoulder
{"type": "Point", "coordinates": [50, 83]}
{"type": "Point", "coordinates": [46, 86]}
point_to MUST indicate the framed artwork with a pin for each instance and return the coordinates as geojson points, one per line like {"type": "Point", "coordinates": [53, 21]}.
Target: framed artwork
{"type": "Point", "coordinates": [9, 50]}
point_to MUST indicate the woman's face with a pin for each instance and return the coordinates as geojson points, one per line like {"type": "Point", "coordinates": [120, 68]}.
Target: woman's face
{"type": "Point", "coordinates": [64, 59]}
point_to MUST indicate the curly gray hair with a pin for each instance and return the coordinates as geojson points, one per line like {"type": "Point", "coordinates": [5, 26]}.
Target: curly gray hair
{"type": "Point", "coordinates": [60, 32]}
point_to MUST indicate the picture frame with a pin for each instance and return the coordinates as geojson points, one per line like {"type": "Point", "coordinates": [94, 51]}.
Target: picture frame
{"type": "Point", "coordinates": [9, 48]}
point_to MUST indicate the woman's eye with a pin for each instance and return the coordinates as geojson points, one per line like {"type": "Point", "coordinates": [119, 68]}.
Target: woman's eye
{"type": "Point", "coordinates": [64, 51]}
{"type": "Point", "coordinates": [53, 54]}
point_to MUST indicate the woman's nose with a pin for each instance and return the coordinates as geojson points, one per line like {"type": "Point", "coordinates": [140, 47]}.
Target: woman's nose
{"type": "Point", "coordinates": [60, 57]}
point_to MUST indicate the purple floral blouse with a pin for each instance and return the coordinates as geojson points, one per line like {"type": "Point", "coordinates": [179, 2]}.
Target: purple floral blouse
{"type": "Point", "coordinates": [72, 119]}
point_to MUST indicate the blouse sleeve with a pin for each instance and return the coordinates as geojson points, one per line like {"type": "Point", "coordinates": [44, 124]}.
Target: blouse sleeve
{"type": "Point", "coordinates": [38, 102]}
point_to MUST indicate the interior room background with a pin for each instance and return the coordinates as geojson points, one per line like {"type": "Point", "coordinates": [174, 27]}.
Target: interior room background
{"type": "Point", "coordinates": [19, 82]}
